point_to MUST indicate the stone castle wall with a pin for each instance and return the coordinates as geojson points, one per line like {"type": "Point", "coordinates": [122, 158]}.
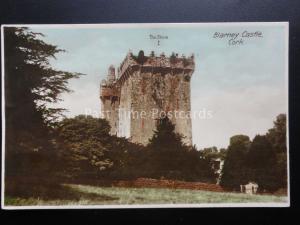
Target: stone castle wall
{"type": "Point", "coordinates": [110, 105]}
{"type": "Point", "coordinates": [155, 86]}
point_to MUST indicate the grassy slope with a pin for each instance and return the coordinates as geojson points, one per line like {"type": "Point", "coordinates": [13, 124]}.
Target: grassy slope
{"type": "Point", "coordinates": [92, 195]}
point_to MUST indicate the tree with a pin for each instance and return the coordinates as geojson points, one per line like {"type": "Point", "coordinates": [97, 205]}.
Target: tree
{"type": "Point", "coordinates": [84, 149]}
{"type": "Point", "coordinates": [263, 161]}
{"type": "Point", "coordinates": [214, 157]}
{"type": "Point", "coordinates": [30, 84]}
{"type": "Point", "coordinates": [222, 153]}
{"type": "Point", "coordinates": [165, 148]}
{"type": "Point", "coordinates": [196, 167]}
{"type": "Point", "coordinates": [277, 134]}
{"type": "Point", "coordinates": [170, 158]}
{"type": "Point", "coordinates": [128, 159]}
{"type": "Point", "coordinates": [89, 151]}
{"type": "Point", "coordinates": [210, 153]}
{"type": "Point", "coordinates": [262, 164]}
{"type": "Point", "coordinates": [277, 138]}
{"type": "Point", "coordinates": [234, 172]}
{"type": "Point", "coordinates": [165, 137]}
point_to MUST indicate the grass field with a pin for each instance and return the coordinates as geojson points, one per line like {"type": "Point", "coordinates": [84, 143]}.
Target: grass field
{"type": "Point", "coordinates": [93, 195]}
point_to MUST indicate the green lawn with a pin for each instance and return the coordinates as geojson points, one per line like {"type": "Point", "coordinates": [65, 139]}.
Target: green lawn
{"type": "Point", "coordinates": [92, 195]}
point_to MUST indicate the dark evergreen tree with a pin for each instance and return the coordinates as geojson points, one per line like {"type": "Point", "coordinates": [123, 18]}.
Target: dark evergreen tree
{"type": "Point", "coordinates": [30, 83]}
{"type": "Point", "coordinates": [169, 157]}
{"type": "Point", "coordinates": [277, 138]}
{"type": "Point", "coordinates": [277, 134]}
{"type": "Point", "coordinates": [234, 172]}
{"type": "Point", "coordinates": [262, 164]}
{"type": "Point", "coordinates": [165, 137]}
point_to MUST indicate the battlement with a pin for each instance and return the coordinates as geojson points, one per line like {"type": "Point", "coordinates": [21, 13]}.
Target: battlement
{"type": "Point", "coordinates": [172, 63]}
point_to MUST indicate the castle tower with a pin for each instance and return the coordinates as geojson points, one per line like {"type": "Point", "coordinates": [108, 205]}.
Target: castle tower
{"type": "Point", "coordinates": [109, 95]}
{"type": "Point", "coordinates": [111, 76]}
{"type": "Point", "coordinates": [149, 87]}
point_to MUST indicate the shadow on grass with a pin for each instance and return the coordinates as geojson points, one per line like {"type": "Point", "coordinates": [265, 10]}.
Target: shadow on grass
{"type": "Point", "coordinates": [48, 190]}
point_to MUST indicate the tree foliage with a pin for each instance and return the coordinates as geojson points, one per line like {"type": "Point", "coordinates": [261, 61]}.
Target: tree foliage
{"type": "Point", "coordinates": [90, 152]}
{"type": "Point", "coordinates": [277, 138]}
{"type": "Point", "coordinates": [262, 161]}
{"type": "Point", "coordinates": [165, 137]}
{"type": "Point", "coordinates": [29, 77]}
{"type": "Point", "coordinates": [169, 157]}
{"type": "Point", "coordinates": [262, 164]}
{"type": "Point", "coordinates": [234, 172]}
{"type": "Point", "coordinates": [84, 142]}
{"type": "Point", "coordinates": [277, 134]}
{"type": "Point", "coordinates": [213, 153]}
{"type": "Point", "coordinates": [30, 84]}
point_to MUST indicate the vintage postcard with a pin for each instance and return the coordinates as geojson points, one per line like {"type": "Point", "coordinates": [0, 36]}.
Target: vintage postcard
{"type": "Point", "coordinates": [145, 115]}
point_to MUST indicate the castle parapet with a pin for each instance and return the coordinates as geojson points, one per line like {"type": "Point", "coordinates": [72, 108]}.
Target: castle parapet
{"type": "Point", "coordinates": [109, 91]}
{"type": "Point", "coordinates": [174, 63]}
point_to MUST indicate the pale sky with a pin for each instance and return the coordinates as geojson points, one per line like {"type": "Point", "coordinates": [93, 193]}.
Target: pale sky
{"type": "Point", "coordinates": [244, 86]}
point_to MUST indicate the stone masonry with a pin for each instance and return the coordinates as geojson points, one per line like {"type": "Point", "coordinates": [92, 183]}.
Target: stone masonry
{"type": "Point", "coordinates": [144, 89]}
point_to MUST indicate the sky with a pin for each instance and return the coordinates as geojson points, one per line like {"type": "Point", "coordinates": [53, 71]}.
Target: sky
{"type": "Point", "coordinates": [242, 86]}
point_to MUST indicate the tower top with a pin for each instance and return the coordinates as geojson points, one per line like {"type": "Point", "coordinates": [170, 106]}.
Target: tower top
{"type": "Point", "coordinates": [158, 63]}
{"type": "Point", "coordinates": [161, 62]}
{"type": "Point", "coordinates": [111, 76]}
